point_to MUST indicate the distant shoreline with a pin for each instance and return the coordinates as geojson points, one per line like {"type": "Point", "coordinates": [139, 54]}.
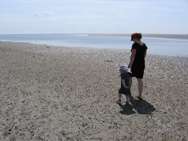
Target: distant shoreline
{"type": "Point", "coordinates": [173, 36]}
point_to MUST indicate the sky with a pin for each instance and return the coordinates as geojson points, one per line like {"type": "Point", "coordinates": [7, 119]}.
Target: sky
{"type": "Point", "coordinates": [94, 16]}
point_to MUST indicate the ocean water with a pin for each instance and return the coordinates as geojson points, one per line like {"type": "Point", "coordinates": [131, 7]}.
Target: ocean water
{"type": "Point", "coordinates": [158, 46]}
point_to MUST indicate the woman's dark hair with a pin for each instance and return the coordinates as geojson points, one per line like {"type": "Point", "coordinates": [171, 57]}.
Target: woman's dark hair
{"type": "Point", "coordinates": [136, 36]}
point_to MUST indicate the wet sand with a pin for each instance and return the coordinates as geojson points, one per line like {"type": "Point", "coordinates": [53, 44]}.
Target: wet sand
{"type": "Point", "coordinates": [69, 94]}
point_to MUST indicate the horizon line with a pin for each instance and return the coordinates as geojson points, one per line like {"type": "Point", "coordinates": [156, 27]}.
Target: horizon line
{"type": "Point", "coordinates": [99, 33]}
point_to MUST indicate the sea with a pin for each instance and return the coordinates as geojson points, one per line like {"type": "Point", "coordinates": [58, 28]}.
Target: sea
{"type": "Point", "coordinates": [156, 45]}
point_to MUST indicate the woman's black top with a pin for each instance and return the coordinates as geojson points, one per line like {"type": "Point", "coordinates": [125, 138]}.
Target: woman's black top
{"type": "Point", "coordinates": [139, 61]}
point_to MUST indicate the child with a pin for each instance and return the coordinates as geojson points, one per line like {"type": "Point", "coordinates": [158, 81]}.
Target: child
{"type": "Point", "coordinates": [126, 81]}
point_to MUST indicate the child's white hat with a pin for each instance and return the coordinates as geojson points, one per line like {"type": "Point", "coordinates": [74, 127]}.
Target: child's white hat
{"type": "Point", "coordinates": [123, 68]}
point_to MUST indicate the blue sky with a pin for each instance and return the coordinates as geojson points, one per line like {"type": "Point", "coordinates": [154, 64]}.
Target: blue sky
{"type": "Point", "coordinates": [94, 16]}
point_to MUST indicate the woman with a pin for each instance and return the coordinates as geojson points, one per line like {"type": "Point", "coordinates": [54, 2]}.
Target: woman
{"type": "Point", "coordinates": [137, 60]}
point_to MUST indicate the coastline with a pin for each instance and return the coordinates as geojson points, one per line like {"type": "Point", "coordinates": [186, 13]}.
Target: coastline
{"type": "Point", "coordinates": [155, 35]}
{"type": "Point", "coordinates": [54, 93]}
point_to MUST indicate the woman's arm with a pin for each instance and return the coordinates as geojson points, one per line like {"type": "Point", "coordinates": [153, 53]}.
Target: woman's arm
{"type": "Point", "coordinates": [145, 54]}
{"type": "Point", "coordinates": [133, 54]}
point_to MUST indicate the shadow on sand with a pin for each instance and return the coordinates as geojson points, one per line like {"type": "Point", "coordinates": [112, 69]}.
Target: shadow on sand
{"type": "Point", "coordinates": [140, 106]}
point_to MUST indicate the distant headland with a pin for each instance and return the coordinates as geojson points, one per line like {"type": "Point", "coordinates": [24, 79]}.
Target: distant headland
{"type": "Point", "coordinates": [175, 36]}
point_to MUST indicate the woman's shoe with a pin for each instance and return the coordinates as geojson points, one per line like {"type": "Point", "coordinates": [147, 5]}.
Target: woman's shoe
{"type": "Point", "coordinates": [139, 98]}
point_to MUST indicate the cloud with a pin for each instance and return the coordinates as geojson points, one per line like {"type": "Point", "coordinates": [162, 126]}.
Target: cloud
{"type": "Point", "coordinates": [94, 15]}
{"type": "Point", "coordinates": [44, 14]}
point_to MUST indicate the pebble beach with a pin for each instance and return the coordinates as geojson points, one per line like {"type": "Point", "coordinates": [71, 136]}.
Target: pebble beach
{"type": "Point", "coordinates": [50, 93]}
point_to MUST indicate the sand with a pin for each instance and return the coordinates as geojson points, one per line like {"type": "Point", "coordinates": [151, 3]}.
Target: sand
{"type": "Point", "coordinates": [69, 94]}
